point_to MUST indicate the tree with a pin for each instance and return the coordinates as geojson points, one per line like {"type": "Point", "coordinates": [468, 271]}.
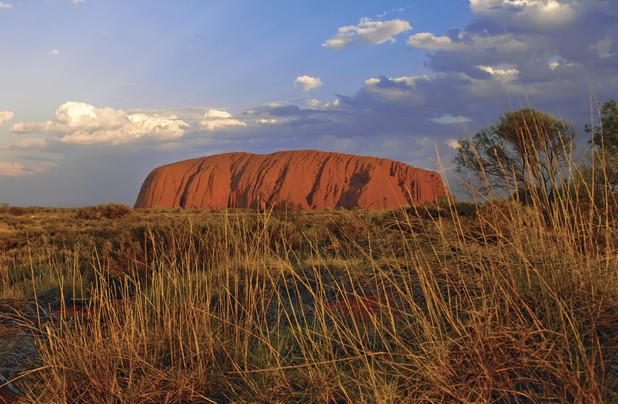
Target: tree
{"type": "Point", "coordinates": [525, 150]}
{"type": "Point", "coordinates": [605, 135]}
{"type": "Point", "coordinates": [605, 141]}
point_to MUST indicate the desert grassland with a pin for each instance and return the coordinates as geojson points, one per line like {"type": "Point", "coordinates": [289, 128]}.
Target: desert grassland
{"type": "Point", "coordinates": [447, 302]}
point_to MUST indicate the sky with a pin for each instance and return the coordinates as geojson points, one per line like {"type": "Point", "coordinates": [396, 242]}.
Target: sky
{"type": "Point", "coordinates": [94, 94]}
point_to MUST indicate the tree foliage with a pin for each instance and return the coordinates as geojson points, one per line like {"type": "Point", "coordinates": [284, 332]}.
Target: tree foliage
{"type": "Point", "coordinates": [605, 141]}
{"type": "Point", "coordinates": [605, 134]}
{"type": "Point", "coordinates": [525, 149]}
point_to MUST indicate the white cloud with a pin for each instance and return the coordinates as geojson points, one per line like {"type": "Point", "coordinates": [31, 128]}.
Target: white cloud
{"type": "Point", "coordinates": [77, 1]}
{"type": "Point", "coordinates": [54, 52]}
{"type": "Point", "coordinates": [81, 123]}
{"type": "Point", "coordinates": [394, 88]}
{"type": "Point", "coordinates": [527, 13]}
{"type": "Point", "coordinates": [307, 82]}
{"type": "Point", "coordinates": [334, 104]}
{"type": "Point", "coordinates": [9, 169]}
{"type": "Point", "coordinates": [216, 113]}
{"type": "Point", "coordinates": [501, 73]}
{"type": "Point", "coordinates": [448, 119]}
{"type": "Point", "coordinates": [603, 47]}
{"type": "Point", "coordinates": [267, 121]}
{"type": "Point", "coordinates": [555, 62]}
{"type": "Point", "coordinates": [313, 103]}
{"type": "Point", "coordinates": [368, 32]}
{"type": "Point", "coordinates": [409, 81]}
{"type": "Point", "coordinates": [452, 143]}
{"type": "Point", "coordinates": [215, 119]}
{"type": "Point", "coordinates": [5, 5]}
{"type": "Point", "coordinates": [426, 40]}
{"type": "Point", "coordinates": [32, 127]}
{"type": "Point", "coordinates": [5, 116]}
{"type": "Point", "coordinates": [505, 43]}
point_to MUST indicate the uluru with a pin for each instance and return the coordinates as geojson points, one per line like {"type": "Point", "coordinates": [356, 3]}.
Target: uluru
{"type": "Point", "coordinates": [305, 179]}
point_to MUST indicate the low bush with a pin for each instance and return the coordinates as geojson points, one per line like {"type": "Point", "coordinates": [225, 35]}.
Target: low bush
{"type": "Point", "coordinates": [107, 211]}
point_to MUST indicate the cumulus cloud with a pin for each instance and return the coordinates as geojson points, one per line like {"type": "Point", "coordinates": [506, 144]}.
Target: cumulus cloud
{"type": "Point", "coordinates": [508, 47]}
{"type": "Point", "coordinates": [429, 41]}
{"type": "Point", "coordinates": [453, 143]}
{"type": "Point", "coordinates": [54, 52]}
{"type": "Point", "coordinates": [544, 14]}
{"type": "Point", "coordinates": [502, 73]}
{"type": "Point", "coordinates": [217, 114]}
{"type": "Point", "coordinates": [81, 123]}
{"type": "Point", "coordinates": [215, 119]}
{"type": "Point", "coordinates": [394, 88]}
{"type": "Point", "coordinates": [307, 82]}
{"type": "Point", "coordinates": [603, 47]}
{"type": "Point", "coordinates": [313, 103]}
{"type": "Point", "coordinates": [77, 1]}
{"type": "Point", "coordinates": [506, 43]}
{"type": "Point", "coordinates": [5, 116]}
{"type": "Point", "coordinates": [271, 121]}
{"type": "Point", "coordinates": [380, 81]}
{"type": "Point", "coordinates": [367, 32]}
{"type": "Point", "coordinates": [5, 5]}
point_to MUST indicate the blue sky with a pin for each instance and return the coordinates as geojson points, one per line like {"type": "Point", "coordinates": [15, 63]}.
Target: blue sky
{"type": "Point", "coordinates": [96, 93]}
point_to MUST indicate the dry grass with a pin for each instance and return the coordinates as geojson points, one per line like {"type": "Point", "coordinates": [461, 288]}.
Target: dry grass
{"type": "Point", "coordinates": [502, 302]}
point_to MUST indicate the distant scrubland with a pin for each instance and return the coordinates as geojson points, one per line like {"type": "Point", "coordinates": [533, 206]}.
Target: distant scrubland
{"type": "Point", "coordinates": [446, 302]}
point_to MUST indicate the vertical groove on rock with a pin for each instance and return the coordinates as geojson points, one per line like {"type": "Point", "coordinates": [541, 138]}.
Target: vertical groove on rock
{"type": "Point", "coordinates": [317, 181]}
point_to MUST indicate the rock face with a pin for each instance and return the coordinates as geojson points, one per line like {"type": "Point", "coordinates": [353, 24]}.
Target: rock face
{"type": "Point", "coordinates": [307, 179]}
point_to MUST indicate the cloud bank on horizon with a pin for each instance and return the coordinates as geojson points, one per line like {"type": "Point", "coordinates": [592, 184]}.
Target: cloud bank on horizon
{"type": "Point", "coordinates": [420, 85]}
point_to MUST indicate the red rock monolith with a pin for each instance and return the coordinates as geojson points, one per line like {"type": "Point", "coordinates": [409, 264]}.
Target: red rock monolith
{"type": "Point", "coordinates": [306, 179]}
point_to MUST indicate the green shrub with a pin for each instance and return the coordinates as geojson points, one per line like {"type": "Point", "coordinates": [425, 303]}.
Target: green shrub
{"type": "Point", "coordinates": [466, 209]}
